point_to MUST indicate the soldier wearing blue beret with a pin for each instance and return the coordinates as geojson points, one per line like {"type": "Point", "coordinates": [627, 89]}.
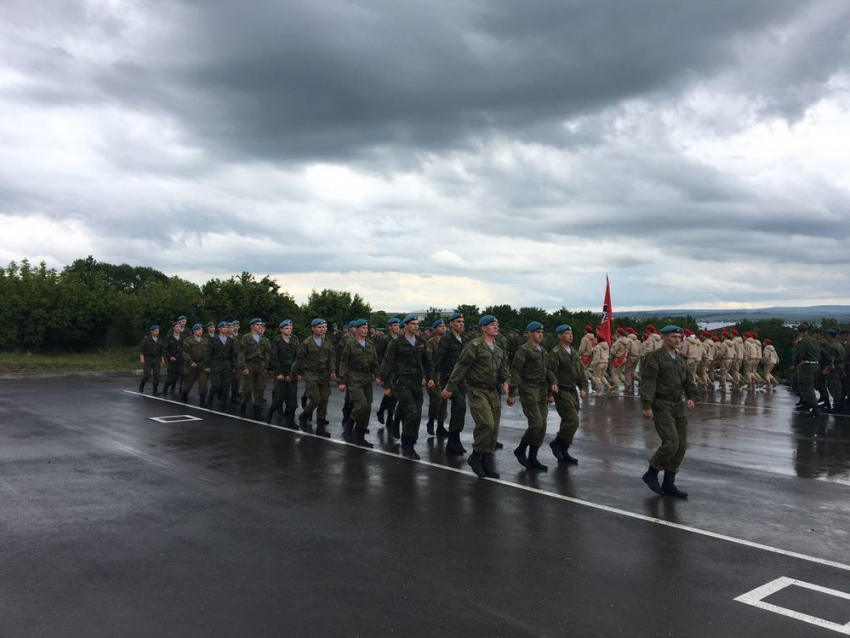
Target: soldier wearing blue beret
{"type": "Point", "coordinates": [358, 371]}
{"type": "Point", "coordinates": [196, 364]}
{"type": "Point", "coordinates": [446, 354]}
{"type": "Point", "coordinates": [284, 348]}
{"type": "Point", "coordinates": [315, 360]}
{"type": "Point", "coordinates": [571, 382]}
{"type": "Point", "coordinates": [388, 402]}
{"type": "Point", "coordinates": [436, 405]}
{"type": "Point", "coordinates": [223, 360]}
{"type": "Point", "coordinates": [236, 377]}
{"type": "Point", "coordinates": [152, 358]}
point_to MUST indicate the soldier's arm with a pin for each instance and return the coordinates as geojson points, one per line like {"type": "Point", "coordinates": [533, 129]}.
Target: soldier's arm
{"type": "Point", "coordinates": [504, 373]}
{"type": "Point", "coordinates": [516, 371]}
{"type": "Point", "coordinates": [461, 369]}
{"type": "Point", "coordinates": [389, 365]}
{"type": "Point", "coordinates": [374, 367]}
{"type": "Point", "coordinates": [343, 364]}
{"type": "Point", "coordinates": [648, 380]}
{"type": "Point", "coordinates": [439, 353]}
{"type": "Point", "coordinates": [691, 390]}
{"type": "Point", "coordinates": [187, 356]}
{"type": "Point", "coordinates": [240, 353]}
{"type": "Point", "coordinates": [298, 363]}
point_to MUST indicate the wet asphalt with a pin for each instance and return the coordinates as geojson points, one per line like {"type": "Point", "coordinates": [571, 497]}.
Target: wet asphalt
{"type": "Point", "coordinates": [115, 524]}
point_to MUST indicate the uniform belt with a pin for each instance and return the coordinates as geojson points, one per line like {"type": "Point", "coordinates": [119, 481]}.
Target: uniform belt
{"type": "Point", "coordinates": [484, 386]}
{"type": "Point", "coordinates": [811, 362]}
{"type": "Point", "coordinates": [568, 388]}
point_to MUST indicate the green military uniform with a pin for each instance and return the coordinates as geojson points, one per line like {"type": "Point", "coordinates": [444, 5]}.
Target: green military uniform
{"type": "Point", "coordinates": [485, 369]}
{"type": "Point", "coordinates": [405, 366]}
{"type": "Point", "coordinates": [172, 350]}
{"type": "Point", "coordinates": [236, 379]}
{"type": "Point", "coordinates": [531, 379]}
{"type": "Point", "coordinates": [197, 352]}
{"type": "Point", "coordinates": [315, 362]}
{"type": "Point", "coordinates": [437, 408]}
{"type": "Point", "coordinates": [283, 354]}
{"type": "Point", "coordinates": [664, 380]}
{"type": "Point", "coordinates": [571, 379]}
{"type": "Point", "coordinates": [807, 356]}
{"type": "Point", "coordinates": [835, 354]}
{"type": "Point", "coordinates": [253, 355]}
{"type": "Point", "coordinates": [223, 358]}
{"type": "Point", "coordinates": [388, 403]}
{"type": "Point", "coordinates": [152, 350]}
{"type": "Point", "coordinates": [358, 366]}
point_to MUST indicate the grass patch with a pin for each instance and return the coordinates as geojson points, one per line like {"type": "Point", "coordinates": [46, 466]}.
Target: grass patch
{"type": "Point", "coordinates": [123, 358]}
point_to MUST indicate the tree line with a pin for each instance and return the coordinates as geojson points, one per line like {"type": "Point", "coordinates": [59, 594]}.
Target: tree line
{"type": "Point", "coordinates": [91, 304]}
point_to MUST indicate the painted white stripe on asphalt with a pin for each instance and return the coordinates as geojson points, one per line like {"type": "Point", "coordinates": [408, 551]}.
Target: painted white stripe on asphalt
{"type": "Point", "coordinates": [569, 499]}
{"type": "Point", "coordinates": [756, 599]}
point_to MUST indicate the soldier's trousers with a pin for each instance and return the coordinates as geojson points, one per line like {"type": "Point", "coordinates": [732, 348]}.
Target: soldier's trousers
{"type": "Point", "coordinates": [190, 375]}
{"type": "Point", "coordinates": [172, 370]}
{"type": "Point", "coordinates": [458, 409]}
{"type": "Point", "coordinates": [285, 392]}
{"type": "Point", "coordinates": [220, 381]}
{"type": "Point", "coordinates": [486, 409]}
{"type": "Point", "coordinates": [318, 392]}
{"type": "Point", "coordinates": [388, 404]}
{"type": "Point", "coordinates": [236, 382]}
{"type": "Point", "coordinates": [566, 402]}
{"type": "Point", "coordinates": [820, 384]}
{"type": "Point", "coordinates": [253, 383]}
{"type": "Point", "coordinates": [736, 372]}
{"type": "Point", "coordinates": [436, 406]}
{"type": "Point", "coordinates": [768, 377]}
{"type": "Point", "coordinates": [806, 374]}
{"type": "Point", "coordinates": [672, 426]}
{"type": "Point", "coordinates": [536, 410]}
{"type": "Point", "coordinates": [151, 368]}
{"type": "Point", "coordinates": [360, 395]}
{"type": "Point", "coordinates": [692, 366]}
{"type": "Point", "coordinates": [726, 367]}
{"type": "Point", "coordinates": [833, 384]}
{"type": "Point", "coordinates": [630, 373]}
{"type": "Point", "coordinates": [409, 409]}
{"type": "Point", "coordinates": [599, 377]}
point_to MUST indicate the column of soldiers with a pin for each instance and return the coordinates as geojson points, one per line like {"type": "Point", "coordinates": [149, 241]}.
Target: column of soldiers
{"type": "Point", "coordinates": [821, 360]}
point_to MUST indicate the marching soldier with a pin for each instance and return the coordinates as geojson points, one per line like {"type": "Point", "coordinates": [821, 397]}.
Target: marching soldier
{"type": "Point", "coordinates": [769, 360]}
{"type": "Point", "coordinates": [585, 351]}
{"type": "Point", "coordinates": [845, 382]}
{"type": "Point", "coordinates": [196, 364]}
{"type": "Point", "coordinates": [284, 347]}
{"type": "Point", "coordinates": [599, 365]}
{"type": "Point", "coordinates": [316, 362]}
{"type": "Point", "coordinates": [436, 405]}
{"type": "Point", "coordinates": [446, 355]}
{"type": "Point", "coordinates": [483, 365]}
{"type": "Point", "coordinates": [834, 369]}
{"type": "Point", "coordinates": [223, 359]}
{"type": "Point", "coordinates": [727, 361]}
{"type": "Point", "coordinates": [666, 378]}
{"type": "Point", "coordinates": [172, 350]}
{"type": "Point", "coordinates": [707, 363]}
{"type": "Point", "coordinates": [532, 380]}
{"type": "Point", "coordinates": [632, 360]}
{"type": "Point", "coordinates": [252, 359]}
{"type": "Point", "coordinates": [619, 354]}
{"type": "Point", "coordinates": [236, 378]}
{"type": "Point", "coordinates": [151, 357]}
{"type": "Point", "coordinates": [406, 368]}
{"type": "Point", "coordinates": [358, 369]}
{"type": "Point", "coordinates": [570, 381]}
{"type": "Point", "coordinates": [388, 403]}
{"type": "Point", "coordinates": [807, 357]}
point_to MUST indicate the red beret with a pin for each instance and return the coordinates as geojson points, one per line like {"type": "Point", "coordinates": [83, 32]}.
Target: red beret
{"type": "Point", "coordinates": [650, 327]}
{"type": "Point", "coordinates": [724, 334]}
{"type": "Point", "coordinates": [631, 330]}
{"type": "Point", "coordinates": [767, 342]}
{"type": "Point", "coordinates": [621, 331]}
{"type": "Point", "coordinates": [645, 336]}
{"type": "Point", "coordinates": [754, 335]}
{"type": "Point", "coordinates": [588, 329]}
{"type": "Point", "coordinates": [734, 333]}
{"type": "Point", "coordinates": [688, 331]}
{"type": "Point", "coordinates": [714, 338]}
{"type": "Point", "coordinates": [706, 333]}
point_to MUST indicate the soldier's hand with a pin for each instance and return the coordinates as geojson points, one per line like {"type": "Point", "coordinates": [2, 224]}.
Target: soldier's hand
{"type": "Point", "coordinates": [193, 365]}
{"type": "Point", "coordinates": [300, 377]}
{"type": "Point", "coordinates": [280, 377]}
{"type": "Point", "coordinates": [287, 379]}
{"type": "Point", "coordinates": [245, 372]}
{"type": "Point", "coordinates": [690, 404]}
{"type": "Point", "coordinates": [142, 359]}
{"type": "Point", "coordinates": [342, 387]}
{"type": "Point", "coordinates": [583, 394]}
{"type": "Point", "coordinates": [555, 388]}
{"type": "Point", "coordinates": [446, 394]}
{"type": "Point", "coordinates": [207, 370]}
{"type": "Point", "coordinates": [505, 387]}
{"type": "Point", "coordinates": [333, 376]}
{"type": "Point", "coordinates": [388, 392]}
{"type": "Point", "coordinates": [511, 401]}
{"type": "Point", "coordinates": [648, 415]}
{"type": "Point", "coordinates": [172, 359]}
{"type": "Point", "coordinates": [431, 385]}
{"type": "Point", "coordinates": [550, 399]}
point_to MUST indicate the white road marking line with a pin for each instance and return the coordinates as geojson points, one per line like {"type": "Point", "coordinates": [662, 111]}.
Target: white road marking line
{"type": "Point", "coordinates": [569, 499]}
{"type": "Point", "coordinates": [756, 599]}
{"type": "Point", "coordinates": [177, 418]}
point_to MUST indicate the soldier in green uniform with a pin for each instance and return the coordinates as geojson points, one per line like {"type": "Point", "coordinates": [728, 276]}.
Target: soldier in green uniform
{"type": "Point", "coordinates": [834, 370]}
{"type": "Point", "coordinates": [196, 364]}
{"type": "Point", "coordinates": [405, 369]}
{"type": "Point", "coordinates": [347, 406]}
{"type": "Point", "coordinates": [223, 359]}
{"type": "Point", "coordinates": [571, 380]}
{"type": "Point", "coordinates": [820, 378]}
{"type": "Point", "coordinates": [284, 349]}
{"type": "Point", "coordinates": [172, 350]}
{"type": "Point", "coordinates": [483, 364]}
{"type": "Point", "coordinates": [151, 357]}
{"type": "Point", "coordinates": [436, 405]}
{"type": "Point", "coordinates": [253, 355]}
{"type": "Point", "coordinates": [388, 403]}
{"type": "Point", "coordinates": [358, 369]}
{"type": "Point", "coordinates": [446, 355]}
{"type": "Point", "coordinates": [845, 381]}
{"type": "Point", "coordinates": [807, 357]}
{"type": "Point", "coordinates": [236, 378]}
{"type": "Point", "coordinates": [316, 362]}
{"type": "Point", "coordinates": [665, 378]}
{"type": "Point", "coordinates": [532, 381]}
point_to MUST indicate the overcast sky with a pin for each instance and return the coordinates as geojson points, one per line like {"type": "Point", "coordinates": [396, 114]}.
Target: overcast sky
{"type": "Point", "coordinates": [438, 152]}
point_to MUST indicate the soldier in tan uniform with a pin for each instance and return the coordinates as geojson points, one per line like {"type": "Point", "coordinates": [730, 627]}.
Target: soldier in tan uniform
{"type": "Point", "coordinates": [599, 364]}
{"type": "Point", "coordinates": [738, 342]}
{"type": "Point", "coordinates": [769, 359]}
{"type": "Point", "coordinates": [585, 350]}
{"type": "Point", "coordinates": [727, 360]}
{"type": "Point", "coordinates": [693, 354]}
{"type": "Point", "coordinates": [632, 360]}
{"type": "Point", "coordinates": [708, 354]}
{"type": "Point", "coordinates": [619, 353]}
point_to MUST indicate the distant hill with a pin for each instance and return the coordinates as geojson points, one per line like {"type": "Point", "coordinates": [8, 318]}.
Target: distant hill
{"type": "Point", "coordinates": [790, 315]}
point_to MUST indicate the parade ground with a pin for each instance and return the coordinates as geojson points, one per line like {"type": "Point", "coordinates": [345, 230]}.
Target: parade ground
{"type": "Point", "coordinates": [129, 515]}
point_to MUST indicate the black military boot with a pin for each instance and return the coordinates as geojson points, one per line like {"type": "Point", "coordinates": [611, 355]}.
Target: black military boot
{"type": "Point", "coordinates": [669, 485]}
{"type": "Point", "coordinates": [380, 415]}
{"type": "Point", "coordinates": [454, 447]}
{"type": "Point", "coordinates": [520, 455]}
{"type": "Point", "coordinates": [499, 445]}
{"type": "Point", "coordinates": [234, 397]}
{"type": "Point", "coordinates": [476, 462]}
{"type": "Point", "coordinates": [532, 459]}
{"type": "Point", "coordinates": [303, 401]}
{"type": "Point", "coordinates": [650, 477]}
{"type": "Point", "coordinates": [270, 413]}
{"type": "Point", "coordinates": [407, 450]}
{"type": "Point", "coordinates": [393, 428]}
{"type": "Point", "coordinates": [321, 430]}
{"type": "Point", "coordinates": [813, 412]}
{"type": "Point", "coordinates": [441, 429]}
{"type": "Point", "coordinates": [289, 421]}
{"type": "Point", "coordinates": [302, 423]}
{"type": "Point", "coordinates": [222, 401]}
{"type": "Point", "coordinates": [360, 438]}
{"type": "Point", "coordinates": [565, 448]}
{"type": "Point", "coordinates": [184, 397]}
{"type": "Point", "coordinates": [557, 446]}
{"type": "Point", "coordinates": [142, 387]}
{"type": "Point", "coordinates": [258, 413]}
{"type": "Point", "coordinates": [489, 463]}
{"type": "Point", "coordinates": [156, 390]}
{"type": "Point", "coordinates": [429, 427]}
{"type": "Point", "coordinates": [202, 402]}
{"type": "Point", "coordinates": [243, 409]}
{"type": "Point", "coordinates": [347, 431]}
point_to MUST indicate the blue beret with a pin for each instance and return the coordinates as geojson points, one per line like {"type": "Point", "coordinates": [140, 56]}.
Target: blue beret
{"type": "Point", "coordinates": [666, 330]}
{"type": "Point", "coordinates": [154, 327]}
{"type": "Point", "coordinates": [210, 324]}
{"type": "Point", "coordinates": [438, 322]}
{"type": "Point", "coordinates": [392, 321]}
{"type": "Point", "coordinates": [223, 324]}
{"type": "Point", "coordinates": [334, 324]}
{"type": "Point", "coordinates": [318, 321]}
{"type": "Point", "coordinates": [359, 323]}
{"type": "Point", "coordinates": [410, 317]}
{"type": "Point", "coordinates": [534, 326]}
{"type": "Point", "coordinates": [176, 324]}
{"type": "Point", "coordinates": [284, 323]}
{"type": "Point", "coordinates": [832, 333]}
{"type": "Point", "coordinates": [456, 315]}
{"type": "Point", "coordinates": [197, 326]}
{"type": "Point", "coordinates": [486, 320]}
{"type": "Point", "coordinates": [235, 322]}
{"type": "Point", "coordinates": [562, 329]}
{"type": "Point", "coordinates": [181, 318]}
{"type": "Point", "coordinates": [255, 320]}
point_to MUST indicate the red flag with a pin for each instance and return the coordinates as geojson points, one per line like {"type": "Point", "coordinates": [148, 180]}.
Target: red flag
{"type": "Point", "coordinates": [607, 314]}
